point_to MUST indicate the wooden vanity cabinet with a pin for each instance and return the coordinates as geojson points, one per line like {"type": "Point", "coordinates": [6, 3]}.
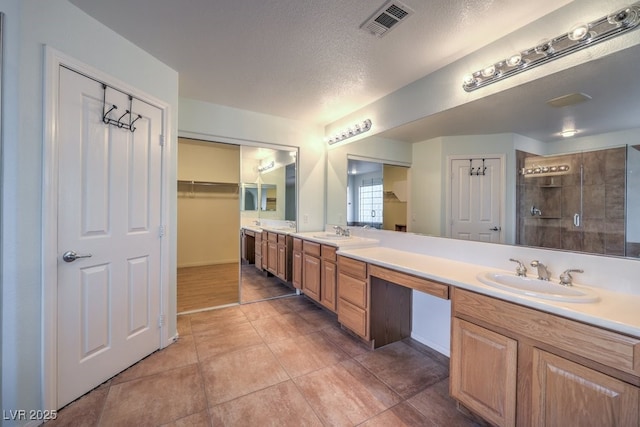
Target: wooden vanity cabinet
{"type": "Point", "coordinates": [328, 276]}
{"type": "Point", "coordinates": [311, 269]}
{"type": "Point", "coordinates": [296, 263]}
{"type": "Point", "coordinates": [278, 255]}
{"type": "Point", "coordinates": [272, 253]}
{"type": "Point", "coordinates": [353, 296]}
{"type": "Point", "coordinates": [248, 245]}
{"type": "Point", "coordinates": [264, 249]}
{"type": "Point", "coordinates": [283, 270]}
{"type": "Point", "coordinates": [514, 365]}
{"type": "Point", "coordinates": [258, 250]}
{"type": "Point", "coordinates": [483, 372]}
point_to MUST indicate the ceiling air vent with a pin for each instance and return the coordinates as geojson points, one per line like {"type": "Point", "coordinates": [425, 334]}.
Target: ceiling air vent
{"type": "Point", "coordinates": [386, 18]}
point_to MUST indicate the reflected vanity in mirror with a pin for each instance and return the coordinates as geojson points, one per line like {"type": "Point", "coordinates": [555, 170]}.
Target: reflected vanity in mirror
{"type": "Point", "coordinates": [268, 206]}
{"type": "Point", "coordinates": [593, 207]}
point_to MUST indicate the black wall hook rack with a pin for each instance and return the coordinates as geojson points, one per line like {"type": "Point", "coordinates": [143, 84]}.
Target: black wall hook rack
{"type": "Point", "coordinates": [119, 123]}
{"type": "Point", "coordinates": [479, 171]}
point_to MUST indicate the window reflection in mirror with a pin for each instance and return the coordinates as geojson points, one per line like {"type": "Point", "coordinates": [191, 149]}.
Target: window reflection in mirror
{"type": "Point", "coordinates": [376, 195]}
{"type": "Point", "coordinates": [268, 197]}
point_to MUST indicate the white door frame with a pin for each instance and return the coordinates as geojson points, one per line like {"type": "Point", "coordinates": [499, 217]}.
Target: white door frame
{"type": "Point", "coordinates": [446, 224]}
{"type": "Point", "coordinates": [53, 60]}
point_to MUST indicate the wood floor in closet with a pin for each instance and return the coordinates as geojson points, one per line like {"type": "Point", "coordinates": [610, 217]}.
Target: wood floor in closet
{"type": "Point", "coordinates": [207, 286]}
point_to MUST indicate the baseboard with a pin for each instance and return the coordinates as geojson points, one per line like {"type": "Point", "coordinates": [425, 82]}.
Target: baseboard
{"type": "Point", "coordinates": [437, 347]}
{"type": "Point", "coordinates": [204, 263]}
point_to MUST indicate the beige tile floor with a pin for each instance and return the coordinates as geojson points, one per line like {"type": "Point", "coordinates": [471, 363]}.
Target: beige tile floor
{"type": "Point", "coordinates": [282, 362]}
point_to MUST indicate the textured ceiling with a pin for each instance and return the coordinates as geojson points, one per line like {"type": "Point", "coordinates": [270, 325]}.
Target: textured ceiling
{"type": "Point", "coordinates": [306, 59]}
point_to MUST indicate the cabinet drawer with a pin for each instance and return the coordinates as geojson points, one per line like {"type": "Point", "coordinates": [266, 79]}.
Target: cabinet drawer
{"type": "Point", "coordinates": [282, 239]}
{"type": "Point", "coordinates": [297, 244]}
{"type": "Point", "coordinates": [609, 348]}
{"type": "Point", "coordinates": [329, 252]}
{"type": "Point", "coordinates": [352, 317]}
{"type": "Point", "coordinates": [352, 267]}
{"type": "Point", "coordinates": [352, 290]}
{"type": "Point", "coordinates": [249, 233]}
{"type": "Point", "coordinates": [418, 283]}
{"type": "Point", "coordinates": [272, 237]}
{"type": "Point", "coordinates": [311, 248]}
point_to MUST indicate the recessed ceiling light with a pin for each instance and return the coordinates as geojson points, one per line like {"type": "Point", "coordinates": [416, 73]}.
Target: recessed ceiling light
{"type": "Point", "coordinates": [568, 133]}
{"type": "Point", "coordinates": [570, 99]}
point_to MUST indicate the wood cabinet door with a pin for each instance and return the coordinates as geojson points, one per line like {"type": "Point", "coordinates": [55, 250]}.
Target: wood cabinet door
{"type": "Point", "coordinates": [328, 281]}
{"type": "Point", "coordinates": [265, 253]}
{"type": "Point", "coordinates": [565, 393]}
{"type": "Point", "coordinates": [272, 258]}
{"type": "Point", "coordinates": [484, 372]}
{"type": "Point", "coordinates": [296, 278]}
{"type": "Point", "coordinates": [311, 276]}
{"type": "Point", "coordinates": [282, 262]}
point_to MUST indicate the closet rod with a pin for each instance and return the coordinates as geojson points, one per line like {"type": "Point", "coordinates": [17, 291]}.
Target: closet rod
{"type": "Point", "coordinates": [230, 184]}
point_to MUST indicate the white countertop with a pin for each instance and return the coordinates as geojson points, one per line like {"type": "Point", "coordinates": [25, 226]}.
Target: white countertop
{"type": "Point", "coordinates": [327, 238]}
{"type": "Point", "coordinates": [616, 311]}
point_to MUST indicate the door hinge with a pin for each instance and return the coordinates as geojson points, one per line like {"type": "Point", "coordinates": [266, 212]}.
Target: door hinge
{"type": "Point", "coordinates": [161, 231]}
{"type": "Point", "coordinates": [161, 140]}
{"type": "Point", "coordinates": [161, 320]}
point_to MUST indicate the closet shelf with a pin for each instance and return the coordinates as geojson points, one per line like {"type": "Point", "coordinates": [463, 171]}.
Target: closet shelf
{"type": "Point", "coordinates": [226, 187]}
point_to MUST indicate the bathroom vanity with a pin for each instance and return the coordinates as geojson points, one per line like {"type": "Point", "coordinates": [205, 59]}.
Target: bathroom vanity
{"type": "Point", "coordinates": [514, 365]}
{"type": "Point", "coordinates": [514, 360]}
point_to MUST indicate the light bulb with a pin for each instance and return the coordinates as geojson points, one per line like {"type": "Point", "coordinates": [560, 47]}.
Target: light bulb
{"type": "Point", "coordinates": [579, 32]}
{"type": "Point", "coordinates": [468, 79]}
{"type": "Point", "coordinates": [514, 60]}
{"type": "Point", "coordinates": [489, 71]}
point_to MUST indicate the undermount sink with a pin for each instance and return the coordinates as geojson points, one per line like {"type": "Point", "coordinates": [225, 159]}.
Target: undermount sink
{"type": "Point", "coordinates": [538, 288]}
{"type": "Point", "coordinates": [331, 236]}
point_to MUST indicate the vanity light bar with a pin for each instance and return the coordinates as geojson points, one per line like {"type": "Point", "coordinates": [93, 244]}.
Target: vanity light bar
{"type": "Point", "coordinates": [537, 170]}
{"type": "Point", "coordinates": [578, 37]}
{"type": "Point", "coordinates": [354, 130]}
{"type": "Point", "coordinates": [268, 166]}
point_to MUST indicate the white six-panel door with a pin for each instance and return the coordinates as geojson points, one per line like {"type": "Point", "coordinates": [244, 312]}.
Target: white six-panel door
{"type": "Point", "coordinates": [476, 200]}
{"type": "Point", "coordinates": [109, 207]}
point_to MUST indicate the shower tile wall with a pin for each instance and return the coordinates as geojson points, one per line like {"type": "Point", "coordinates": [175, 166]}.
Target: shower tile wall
{"type": "Point", "coordinates": [602, 228]}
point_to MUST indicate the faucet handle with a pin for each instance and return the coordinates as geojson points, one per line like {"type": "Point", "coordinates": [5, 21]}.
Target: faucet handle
{"type": "Point", "coordinates": [566, 279]}
{"type": "Point", "coordinates": [521, 270]}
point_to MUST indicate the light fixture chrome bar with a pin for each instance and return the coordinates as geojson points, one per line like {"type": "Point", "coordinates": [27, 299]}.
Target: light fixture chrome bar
{"type": "Point", "coordinates": [579, 37]}
{"type": "Point", "coordinates": [268, 166]}
{"type": "Point", "coordinates": [354, 130]}
{"type": "Point", "coordinates": [547, 170]}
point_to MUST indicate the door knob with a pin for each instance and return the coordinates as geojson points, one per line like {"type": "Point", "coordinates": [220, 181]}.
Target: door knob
{"type": "Point", "coordinates": [495, 228]}
{"type": "Point", "coordinates": [71, 256]}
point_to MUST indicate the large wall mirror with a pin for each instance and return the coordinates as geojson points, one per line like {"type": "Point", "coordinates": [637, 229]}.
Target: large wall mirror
{"type": "Point", "coordinates": [268, 185]}
{"type": "Point", "coordinates": [591, 206]}
{"type": "Point", "coordinates": [268, 199]}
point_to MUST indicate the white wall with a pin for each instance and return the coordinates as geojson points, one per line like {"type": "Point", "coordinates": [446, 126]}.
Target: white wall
{"type": "Point", "coordinates": [31, 24]}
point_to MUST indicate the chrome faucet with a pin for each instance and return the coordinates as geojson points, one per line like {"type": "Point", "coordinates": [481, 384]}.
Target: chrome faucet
{"type": "Point", "coordinates": [543, 273]}
{"type": "Point", "coordinates": [256, 222]}
{"type": "Point", "coordinates": [341, 231]}
{"type": "Point", "coordinates": [566, 279]}
{"type": "Point", "coordinates": [291, 224]}
{"type": "Point", "coordinates": [521, 270]}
